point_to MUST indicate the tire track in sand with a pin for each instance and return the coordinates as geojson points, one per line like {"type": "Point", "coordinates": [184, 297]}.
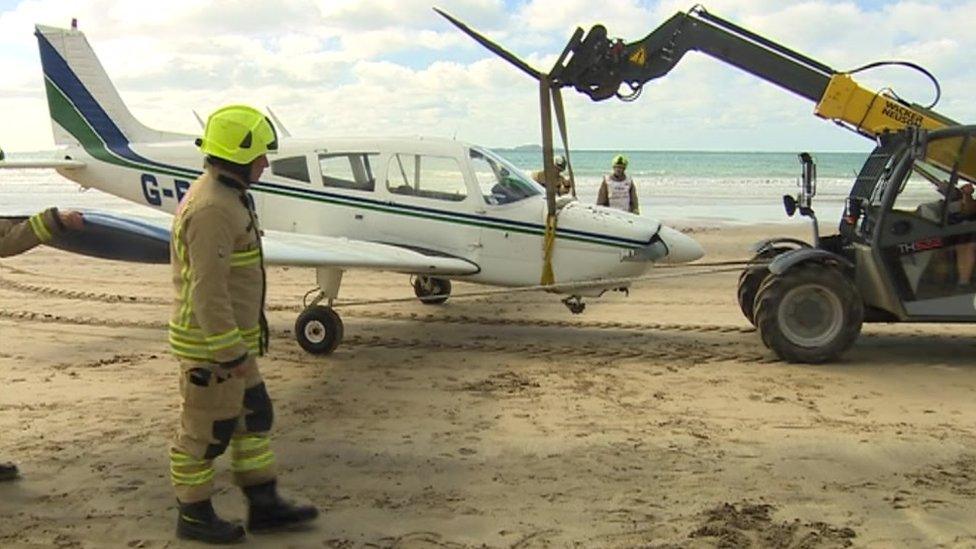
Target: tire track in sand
{"type": "Point", "coordinates": [654, 350]}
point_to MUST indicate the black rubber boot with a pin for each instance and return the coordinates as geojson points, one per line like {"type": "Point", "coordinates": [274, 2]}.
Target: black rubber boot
{"type": "Point", "coordinates": [198, 521]}
{"type": "Point", "coordinates": [268, 512]}
{"type": "Point", "coordinates": [8, 471]}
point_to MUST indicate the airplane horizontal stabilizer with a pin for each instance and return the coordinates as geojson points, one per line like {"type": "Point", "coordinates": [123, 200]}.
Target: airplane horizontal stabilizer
{"type": "Point", "coordinates": [40, 164]}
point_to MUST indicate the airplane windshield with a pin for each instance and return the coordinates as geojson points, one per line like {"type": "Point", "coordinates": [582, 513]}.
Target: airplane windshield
{"type": "Point", "coordinates": [501, 182]}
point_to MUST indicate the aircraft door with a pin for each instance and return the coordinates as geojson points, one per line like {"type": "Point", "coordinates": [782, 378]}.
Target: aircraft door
{"type": "Point", "coordinates": [348, 180]}
{"type": "Point", "coordinates": [510, 211]}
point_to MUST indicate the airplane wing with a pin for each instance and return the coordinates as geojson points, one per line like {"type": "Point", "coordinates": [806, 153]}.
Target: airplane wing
{"type": "Point", "coordinates": [144, 240]}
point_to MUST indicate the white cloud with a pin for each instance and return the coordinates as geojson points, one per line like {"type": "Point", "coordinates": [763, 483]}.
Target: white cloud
{"type": "Point", "coordinates": [381, 66]}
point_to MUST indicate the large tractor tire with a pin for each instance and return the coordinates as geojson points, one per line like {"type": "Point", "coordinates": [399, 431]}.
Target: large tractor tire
{"type": "Point", "coordinates": [812, 313]}
{"type": "Point", "coordinates": [751, 278]}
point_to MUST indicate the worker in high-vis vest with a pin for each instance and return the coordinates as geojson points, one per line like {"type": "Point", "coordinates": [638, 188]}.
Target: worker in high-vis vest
{"type": "Point", "coordinates": [218, 330]}
{"type": "Point", "coordinates": [618, 189]}
{"type": "Point", "coordinates": [17, 237]}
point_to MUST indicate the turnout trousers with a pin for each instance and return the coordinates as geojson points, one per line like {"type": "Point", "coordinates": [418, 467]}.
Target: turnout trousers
{"type": "Point", "coordinates": [219, 412]}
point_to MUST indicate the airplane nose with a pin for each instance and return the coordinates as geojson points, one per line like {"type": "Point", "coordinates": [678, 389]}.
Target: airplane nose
{"type": "Point", "coordinates": [681, 247]}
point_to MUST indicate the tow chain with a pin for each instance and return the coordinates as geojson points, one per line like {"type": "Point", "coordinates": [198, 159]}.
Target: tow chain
{"type": "Point", "coordinates": [567, 287]}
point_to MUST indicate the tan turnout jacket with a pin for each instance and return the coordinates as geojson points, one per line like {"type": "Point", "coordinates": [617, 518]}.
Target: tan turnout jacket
{"type": "Point", "coordinates": [18, 237]}
{"type": "Point", "coordinates": [218, 274]}
{"type": "Point", "coordinates": [563, 185]}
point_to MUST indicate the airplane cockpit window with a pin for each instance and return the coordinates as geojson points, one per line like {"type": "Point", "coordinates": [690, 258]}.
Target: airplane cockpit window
{"type": "Point", "coordinates": [294, 167]}
{"type": "Point", "coordinates": [348, 170]}
{"type": "Point", "coordinates": [500, 181]}
{"type": "Point", "coordinates": [436, 177]}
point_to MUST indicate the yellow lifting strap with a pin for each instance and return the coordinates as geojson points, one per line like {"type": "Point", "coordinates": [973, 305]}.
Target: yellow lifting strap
{"type": "Point", "coordinates": [549, 171]}
{"type": "Point", "coordinates": [557, 102]}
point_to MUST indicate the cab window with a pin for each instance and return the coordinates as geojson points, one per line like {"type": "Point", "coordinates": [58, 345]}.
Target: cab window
{"type": "Point", "coordinates": [348, 170]}
{"type": "Point", "coordinates": [929, 191]}
{"type": "Point", "coordinates": [426, 176]}
{"type": "Point", "coordinates": [295, 168]}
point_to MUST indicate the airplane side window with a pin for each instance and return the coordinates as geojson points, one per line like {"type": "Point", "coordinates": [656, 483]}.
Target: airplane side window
{"type": "Point", "coordinates": [295, 167]}
{"type": "Point", "coordinates": [348, 171]}
{"type": "Point", "coordinates": [434, 177]}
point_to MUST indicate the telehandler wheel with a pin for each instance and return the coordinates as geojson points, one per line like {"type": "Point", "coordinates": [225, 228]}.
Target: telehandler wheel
{"type": "Point", "coordinates": [751, 278]}
{"type": "Point", "coordinates": [812, 313]}
{"type": "Point", "coordinates": [318, 330]}
{"type": "Point", "coordinates": [430, 290]}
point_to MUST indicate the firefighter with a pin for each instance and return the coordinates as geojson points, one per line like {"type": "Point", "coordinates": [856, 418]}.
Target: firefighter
{"type": "Point", "coordinates": [18, 237]}
{"type": "Point", "coordinates": [218, 330]}
{"type": "Point", "coordinates": [563, 185]}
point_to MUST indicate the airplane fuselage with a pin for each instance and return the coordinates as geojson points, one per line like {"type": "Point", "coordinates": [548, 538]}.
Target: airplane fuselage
{"type": "Point", "coordinates": [440, 196]}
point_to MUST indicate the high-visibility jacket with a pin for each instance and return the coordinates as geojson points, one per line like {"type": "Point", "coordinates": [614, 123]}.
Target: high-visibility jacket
{"type": "Point", "coordinates": [18, 237]}
{"type": "Point", "coordinates": [218, 273]}
{"type": "Point", "coordinates": [620, 194]}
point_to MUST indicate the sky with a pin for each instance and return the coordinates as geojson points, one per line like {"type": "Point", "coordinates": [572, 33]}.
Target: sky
{"type": "Point", "coordinates": [343, 68]}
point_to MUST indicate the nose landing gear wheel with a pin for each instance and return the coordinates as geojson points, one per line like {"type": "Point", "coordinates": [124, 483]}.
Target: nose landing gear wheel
{"type": "Point", "coordinates": [430, 290]}
{"type": "Point", "coordinates": [575, 304]}
{"type": "Point", "coordinates": [318, 330]}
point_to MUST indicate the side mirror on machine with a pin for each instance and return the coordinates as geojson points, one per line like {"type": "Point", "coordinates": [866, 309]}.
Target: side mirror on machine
{"type": "Point", "coordinates": [804, 201]}
{"type": "Point", "coordinates": [808, 188]}
{"type": "Point", "coordinates": [808, 182]}
{"type": "Point", "coordinates": [789, 204]}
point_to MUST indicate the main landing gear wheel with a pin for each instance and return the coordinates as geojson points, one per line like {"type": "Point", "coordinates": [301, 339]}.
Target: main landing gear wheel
{"type": "Point", "coordinates": [318, 330]}
{"type": "Point", "coordinates": [430, 290]}
{"type": "Point", "coordinates": [749, 281]}
{"type": "Point", "coordinates": [811, 313]}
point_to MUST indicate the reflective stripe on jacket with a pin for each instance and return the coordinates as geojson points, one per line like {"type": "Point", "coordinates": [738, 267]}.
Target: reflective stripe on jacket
{"type": "Point", "coordinates": [218, 273]}
{"type": "Point", "coordinates": [18, 237]}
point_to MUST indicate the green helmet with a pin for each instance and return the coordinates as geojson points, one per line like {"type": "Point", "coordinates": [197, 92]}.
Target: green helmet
{"type": "Point", "coordinates": [238, 134]}
{"type": "Point", "coordinates": [620, 160]}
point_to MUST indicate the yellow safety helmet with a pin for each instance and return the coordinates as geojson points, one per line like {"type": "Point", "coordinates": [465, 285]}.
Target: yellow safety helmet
{"type": "Point", "coordinates": [620, 160]}
{"type": "Point", "coordinates": [238, 134]}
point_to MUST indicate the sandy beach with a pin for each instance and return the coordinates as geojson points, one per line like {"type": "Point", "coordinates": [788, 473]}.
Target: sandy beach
{"type": "Point", "coordinates": [654, 420]}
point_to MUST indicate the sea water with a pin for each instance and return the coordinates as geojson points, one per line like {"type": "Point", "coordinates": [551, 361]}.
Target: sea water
{"type": "Point", "coordinates": [712, 188]}
{"type": "Point", "coordinates": [683, 188]}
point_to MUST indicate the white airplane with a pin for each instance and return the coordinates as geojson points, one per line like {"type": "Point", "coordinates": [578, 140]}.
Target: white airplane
{"type": "Point", "coordinates": [432, 208]}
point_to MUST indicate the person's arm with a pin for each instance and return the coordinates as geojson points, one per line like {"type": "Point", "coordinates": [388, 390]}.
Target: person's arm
{"type": "Point", "coordinates": [16, 238]}
{"type": "Point", "coordinates": [602, 197]}
{"type": "Point", "coordinates": [634, 206]}
{"type": "Point", "coordinates": [209, 244]}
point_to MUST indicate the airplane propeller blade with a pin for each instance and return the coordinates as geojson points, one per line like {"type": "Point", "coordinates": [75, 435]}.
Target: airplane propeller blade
{"type": "Point", "coordinates": [495, 48]}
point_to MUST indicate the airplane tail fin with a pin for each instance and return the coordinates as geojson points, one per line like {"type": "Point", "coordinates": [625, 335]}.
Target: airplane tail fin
{"type": "Point", "coordinates": [85, 107]}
